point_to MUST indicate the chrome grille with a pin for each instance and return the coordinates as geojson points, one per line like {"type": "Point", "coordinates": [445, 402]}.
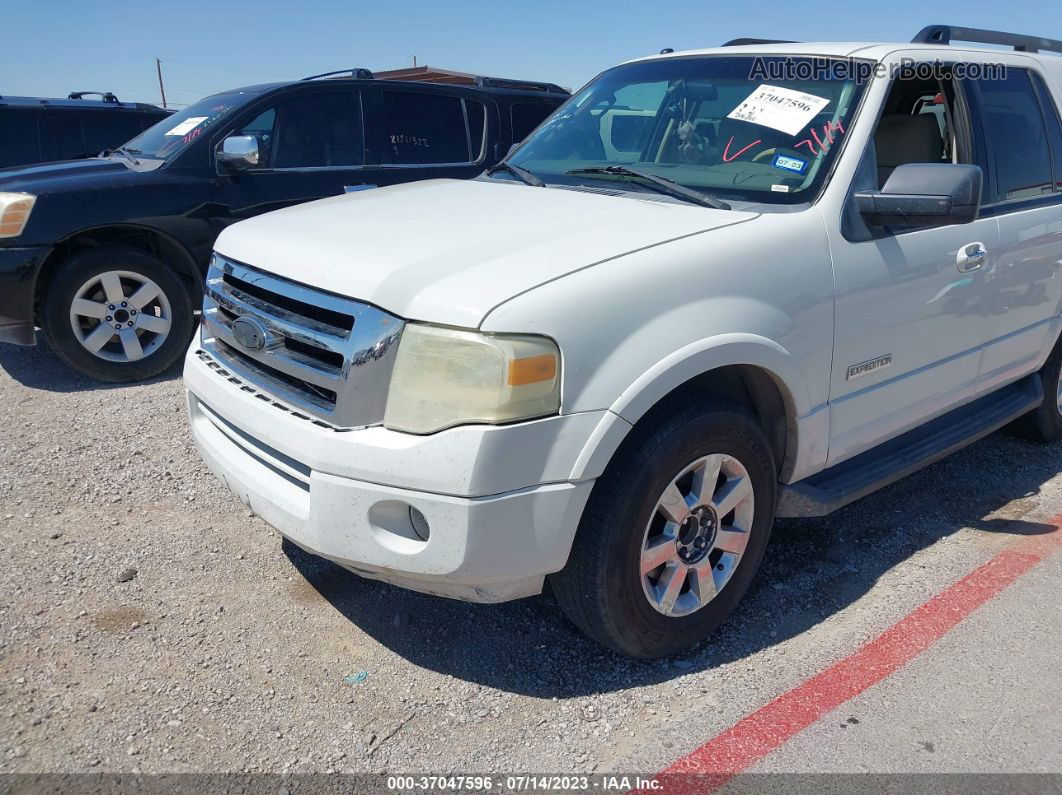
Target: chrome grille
{"type": "Point", "coordinates": [326, 355]}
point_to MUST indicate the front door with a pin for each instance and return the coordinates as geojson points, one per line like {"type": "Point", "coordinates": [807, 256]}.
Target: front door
{"type": "Point", "coordinates": [311, 145]}
{"type": "Point", "coordinates": [911, 306]}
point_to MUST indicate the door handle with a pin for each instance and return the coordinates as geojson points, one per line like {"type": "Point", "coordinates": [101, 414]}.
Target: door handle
{"type": "Point", "coordinates": [971, 257]}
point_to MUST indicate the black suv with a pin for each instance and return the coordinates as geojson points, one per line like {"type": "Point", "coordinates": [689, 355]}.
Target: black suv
{"type": "Point", "coordinates": [35, 130]}
{"type": "Point", "coordinates": [107, 255]}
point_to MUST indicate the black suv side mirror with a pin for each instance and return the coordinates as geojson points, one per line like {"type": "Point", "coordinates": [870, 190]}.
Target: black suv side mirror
{"type": "Point", "coordinates": [239, 152]}
{"type": "Point", "coordinates": [924, 194]}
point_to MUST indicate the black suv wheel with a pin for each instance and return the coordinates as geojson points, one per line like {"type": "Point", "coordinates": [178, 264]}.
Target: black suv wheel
{"type": "Point", "coordinates": [117, 314]}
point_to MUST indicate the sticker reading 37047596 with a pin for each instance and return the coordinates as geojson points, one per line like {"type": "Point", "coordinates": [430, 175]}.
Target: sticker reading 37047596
{"type": "Point", "coordinates": [779, 108]}
{"type": "Point", "coordinates": [187, 125]}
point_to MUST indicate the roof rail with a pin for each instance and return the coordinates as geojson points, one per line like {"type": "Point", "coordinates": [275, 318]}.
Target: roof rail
{"type": "Point", "coordinates": [526, 85]}
{"type": "Point", "coordinates": [944, 34]}
{"type": "Point", "coordinates": [742, 42]}
{"type": "Point", "coordinates": [357, 73]}
{"type": "Point", "coordinates": [106, 96]}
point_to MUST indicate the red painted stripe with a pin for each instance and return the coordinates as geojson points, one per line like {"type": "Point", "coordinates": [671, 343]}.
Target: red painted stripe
{"type": "Point", "coordinates": [757, 734]}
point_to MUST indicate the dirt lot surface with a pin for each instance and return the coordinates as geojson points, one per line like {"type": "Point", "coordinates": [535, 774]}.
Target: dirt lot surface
{"type": "Point", "coordinates": [148, 622]}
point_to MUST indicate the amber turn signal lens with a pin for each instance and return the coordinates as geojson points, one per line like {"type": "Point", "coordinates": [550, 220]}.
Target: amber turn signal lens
{"type": "Point", "coordinates": [532, 370]}
{"type": "Point", "coordinates": [14, 213]}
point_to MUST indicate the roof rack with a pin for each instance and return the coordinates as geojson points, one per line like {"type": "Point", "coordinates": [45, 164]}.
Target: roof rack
{"type": "Point", "coordinates": [358, 73]}
{"type": "Point", "coordinates": [106, 96]}
{"type": "Point", "coordinates": [525, 85]}
{"type": "Point", "coordinates": [743, 42]}
{"type": "Point", "coordinates": [944, 34]}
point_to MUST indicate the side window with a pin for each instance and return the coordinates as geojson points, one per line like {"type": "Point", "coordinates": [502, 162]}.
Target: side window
{"type": "Point", "coordinates": [150, 120]}
{"type": "Point", "coordinates": [1054, 126]}
{"type": "Point", "coordinates": [312, 131]}
{"type": "Point", "coordinates": [18, 137]}
{"type": "Point", "coordinates": [526, 117]}
{"type": "Point", "coordinates": [916, 125]}
{"type": "Point", "coordinates": [261, 127]}
{"type": "Point", "coordinates": [933, 105]}
{"type": "Point", "coordinates": [106, 130]}
{"type": "Point", "coordinates": [1019, 160]}
{"type": "Point", "coordinates": [61, 135]}
{"type": "Point", "coordinates": [262, 124]}
{"type": "Point", "coordinates": [424, 128]}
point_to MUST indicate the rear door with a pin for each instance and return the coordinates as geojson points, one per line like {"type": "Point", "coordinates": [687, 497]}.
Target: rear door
{"type": "Point", "coordinates": [430, 132]}
{"type": "Point", "coordinates": [1021, 155]}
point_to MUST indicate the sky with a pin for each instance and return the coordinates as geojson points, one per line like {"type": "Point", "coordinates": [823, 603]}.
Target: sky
{"type": "Point", "coordinates": [54, 47]}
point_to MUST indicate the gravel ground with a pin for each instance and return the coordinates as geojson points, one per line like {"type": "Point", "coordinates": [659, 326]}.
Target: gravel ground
{"type": "Point", "coordinates": [148, 622]}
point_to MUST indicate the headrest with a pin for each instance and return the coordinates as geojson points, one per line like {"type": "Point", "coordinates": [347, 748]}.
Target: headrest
{"type": "Point", "coordinates": [904, 139]}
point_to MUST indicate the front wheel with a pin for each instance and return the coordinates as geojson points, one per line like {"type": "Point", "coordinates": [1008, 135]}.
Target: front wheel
{"type": "Point", "coordinates": [673, 533]}
{"type": "Point", "coordinates": [117, 314]}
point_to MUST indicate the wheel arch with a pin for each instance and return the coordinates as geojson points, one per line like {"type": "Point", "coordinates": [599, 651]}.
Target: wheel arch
{"type": "Point", "coordinates": [145, 238]}
{"type": "Point", "coordinates": [741, 368]}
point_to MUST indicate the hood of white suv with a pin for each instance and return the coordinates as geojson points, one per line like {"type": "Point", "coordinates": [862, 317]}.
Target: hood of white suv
{"type": "Point", "coordinates": [449, 251]}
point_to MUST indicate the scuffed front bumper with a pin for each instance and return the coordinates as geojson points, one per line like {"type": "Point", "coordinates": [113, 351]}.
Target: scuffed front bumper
{"type": "Point", "coordinates": [501, 512]}
{"type": "Point", "coordinates": [18, 272]}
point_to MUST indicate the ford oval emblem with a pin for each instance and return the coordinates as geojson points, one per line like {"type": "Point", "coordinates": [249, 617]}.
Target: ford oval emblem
{"type": "Point", "coordinates": [249, 333]}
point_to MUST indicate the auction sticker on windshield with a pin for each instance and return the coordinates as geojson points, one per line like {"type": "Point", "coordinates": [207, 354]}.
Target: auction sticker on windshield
{"type": "Point", "coordinates": [187, 125]}
{"type": "Point", "coordinates": [779, 108]}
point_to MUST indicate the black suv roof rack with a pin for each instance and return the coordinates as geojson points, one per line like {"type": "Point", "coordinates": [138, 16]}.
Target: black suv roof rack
{"type": "Point", "coordinates": [743, 42]}
{"type": "Point", "coordinates": [106, 96]}
{"type": "Point", "coordinates": [358, 73]}
{"type": "Point", "coordinates": [525, 85]}
{"type": "Point", "coordinates": [944, 34]}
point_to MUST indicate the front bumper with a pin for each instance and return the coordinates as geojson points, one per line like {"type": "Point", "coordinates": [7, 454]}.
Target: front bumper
{"type": "Point", "coordinates": [501, 510]}
{"type": "Point", "coordinates": [18, 273]}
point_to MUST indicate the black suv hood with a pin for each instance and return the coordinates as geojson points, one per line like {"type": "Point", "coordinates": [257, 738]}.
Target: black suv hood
{"type": "Point", "coordinates": [43, 178]}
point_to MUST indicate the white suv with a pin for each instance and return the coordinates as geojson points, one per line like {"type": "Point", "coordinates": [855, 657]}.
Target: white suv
{"type": "Point", "coordinates": [713, 288]}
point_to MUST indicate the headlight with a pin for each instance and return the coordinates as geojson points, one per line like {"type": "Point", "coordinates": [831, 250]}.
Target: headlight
{"type": "Point", "coordinates": [445, 377]}
{"type": "Point", "coordinates": [14, 213]}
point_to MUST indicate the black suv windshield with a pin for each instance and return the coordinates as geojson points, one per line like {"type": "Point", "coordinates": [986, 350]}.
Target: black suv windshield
{"type": "Point", "coordinates": [174, 133]}
{"type": "Point", "coordinates": [720, 125]}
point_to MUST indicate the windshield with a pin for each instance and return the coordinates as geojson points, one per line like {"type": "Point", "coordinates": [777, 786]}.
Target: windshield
{"type": "Point", "coordinates": [716, 124]}
{"type": "Point", "coordinates": [174, 133]}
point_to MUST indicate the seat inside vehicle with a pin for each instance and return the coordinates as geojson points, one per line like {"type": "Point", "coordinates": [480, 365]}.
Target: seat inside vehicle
{"type": "Point", "coordinates": [902, 139]}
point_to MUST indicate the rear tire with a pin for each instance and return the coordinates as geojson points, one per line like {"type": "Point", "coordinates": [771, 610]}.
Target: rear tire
{"type": "Point", "coordinates": [117, 314]}
{"type": "Point", "coordinates": [612, 588]}
{"type": "Point", "coordinates": [1044, 424]}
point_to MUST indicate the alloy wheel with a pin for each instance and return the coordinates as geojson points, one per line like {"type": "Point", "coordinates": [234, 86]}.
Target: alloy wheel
{"type": "Point", "coordinates": [120, 316]}
{"type": "Point", "coordinates": [696, 535]}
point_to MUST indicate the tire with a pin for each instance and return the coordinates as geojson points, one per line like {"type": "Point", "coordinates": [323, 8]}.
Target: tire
{"type": "Point", "coordinates": [1044, 424]}
{"type": "Point", "coordinates": [90, 287]}
{"type": "Point", "coordinates": [602, 588]}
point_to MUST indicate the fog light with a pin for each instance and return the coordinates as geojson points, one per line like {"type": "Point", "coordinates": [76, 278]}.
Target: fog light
{"type": "Point", "coordinates": [420, 523]}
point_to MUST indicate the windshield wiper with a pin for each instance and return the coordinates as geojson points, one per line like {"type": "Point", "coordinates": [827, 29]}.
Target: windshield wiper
{"type": "Point", "coordinates": [522, 174]}
{"type": "Point", "coordinates": [128, 154]}
{"type": "Point", "coordinates": [663, 184]}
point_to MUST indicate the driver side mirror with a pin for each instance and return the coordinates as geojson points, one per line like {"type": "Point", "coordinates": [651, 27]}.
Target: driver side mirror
{"type": "Point", "coordinates": [239, 152]}
{"type": "Point", "coordinates": [924, 195]}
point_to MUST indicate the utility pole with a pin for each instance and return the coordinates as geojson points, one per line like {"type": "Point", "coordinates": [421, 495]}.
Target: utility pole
{"type": "Point", "coordinates": [162, 90]}
{"type": "Point", "coordinates": [414, 61]}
